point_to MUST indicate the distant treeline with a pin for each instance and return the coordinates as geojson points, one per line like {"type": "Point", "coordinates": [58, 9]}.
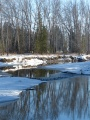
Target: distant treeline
{"type": "Point", "coordinates": [44, 26]}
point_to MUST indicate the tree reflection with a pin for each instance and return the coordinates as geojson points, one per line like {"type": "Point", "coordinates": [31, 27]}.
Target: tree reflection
{"type": "Point", "coordinates": [51, 101]}
{"type": "Point", "coordinates": [32, 73]}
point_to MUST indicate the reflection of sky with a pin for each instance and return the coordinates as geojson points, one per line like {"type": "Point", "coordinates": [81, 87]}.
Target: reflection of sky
{"type": "Point", "coordinates": [89, 85]}
{"type": "Point", "coordinates": [65, 1]}
{"type": "Point", "coordinates": [81, 95]}
{"type": "Point", "coordinates": [71, 117]}
{"type": "Point", "coordinates": [65, 99]}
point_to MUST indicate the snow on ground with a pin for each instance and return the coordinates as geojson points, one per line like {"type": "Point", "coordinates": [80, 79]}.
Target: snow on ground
{"type": "Point", "coordinates": [82, 57]}
{"type": "Point", "coordinates": [35, 60]}
{"type": "Point", "coordinates": [23, 60]}
{"type": "Point", "coordinates": [11, 87]}
{"type": "Point", "coordinates": [32, 62]}
{"type": "Point", "coordinates": [77, 68]}
{"type": "Point", "coordinates": [20, 57]}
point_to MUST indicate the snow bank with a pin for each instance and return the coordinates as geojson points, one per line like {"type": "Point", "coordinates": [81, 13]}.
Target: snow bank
{"type": "Point", "coordinates": [11, 87]}
{"type": "Point", "coordinates": [32, 62]}
{"type": "Point", "coordinates": [77, 68]}
{"type": "Point", "coordinates": [35, 60]}
{"type": "Point", "coordinates": [22, 64]}
{"type": "Point", "coordinates": [20, 57]}
{"type": "Point", "coordinates": [82, 57]}
{"type": "Point", "coordinates": [23, 60]}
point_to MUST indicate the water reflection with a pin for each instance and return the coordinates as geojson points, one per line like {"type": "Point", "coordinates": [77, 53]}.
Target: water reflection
{"type": "Point", "coordinates": [56, 100]}
{"type": "Point", "coordinates": [32, 73]}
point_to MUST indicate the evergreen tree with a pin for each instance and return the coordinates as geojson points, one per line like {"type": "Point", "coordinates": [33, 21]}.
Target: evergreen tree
{"type": "Point", "coordinates": [41, 37]}
{"type": "Point", "coordinates": [41, 40]}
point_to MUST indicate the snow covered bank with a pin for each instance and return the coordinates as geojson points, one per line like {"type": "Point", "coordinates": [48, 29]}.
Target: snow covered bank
{"type": "Point", "coordinates": [77, 68]}
{"type": "Point", "coordinates": [27, 61]}
{"type": "Point", "coordinates": [35, 60]}
{"type": "Point", "coordinates": [22, 60]}
{"type": "Point", "coordinates": [11, 87]}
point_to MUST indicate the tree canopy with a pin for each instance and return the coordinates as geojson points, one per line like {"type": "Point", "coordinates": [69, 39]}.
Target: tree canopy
{"type": "Point", "coordinates": [48, 26]}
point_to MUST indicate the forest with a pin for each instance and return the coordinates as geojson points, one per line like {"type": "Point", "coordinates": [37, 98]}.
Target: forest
{"type": "Point", "coordinates": [44, 26]}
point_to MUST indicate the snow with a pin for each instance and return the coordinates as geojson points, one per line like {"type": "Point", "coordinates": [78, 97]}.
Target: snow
{"type": "Point", "coordinates": [77, 68]}
{"type": "Point", "coordinates": [34, 60]}
{"type": "Point", "coordinates": [20, 57]}
{"type": "Point", "coordinates": [82, 57]}
{"type": "Point", "coordinates": [11, 87]}
{"type": "Point", "coordinates": [22, 65]}
{"type": "Point", "coordinates": [23, 60]}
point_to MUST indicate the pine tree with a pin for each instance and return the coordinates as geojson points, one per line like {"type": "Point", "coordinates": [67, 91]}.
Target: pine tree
{"type": "Point", "coordinates": [41, 40]}
{"type": "Point", "coordinates": [41, 37]}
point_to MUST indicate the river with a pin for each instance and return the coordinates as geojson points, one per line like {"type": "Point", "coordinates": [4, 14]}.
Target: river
{"type": "Point", "coordinates": [61, 99]}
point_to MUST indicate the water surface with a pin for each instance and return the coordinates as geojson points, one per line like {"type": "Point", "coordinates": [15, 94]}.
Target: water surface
{"type": "Point", "coordinates": [67, 99]}
{"type": "Point", "coordinates": [32, 73]}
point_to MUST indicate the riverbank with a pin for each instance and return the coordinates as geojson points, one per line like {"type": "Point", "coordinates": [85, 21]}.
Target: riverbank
{"type": "Point", "coordinates": [37, 59]}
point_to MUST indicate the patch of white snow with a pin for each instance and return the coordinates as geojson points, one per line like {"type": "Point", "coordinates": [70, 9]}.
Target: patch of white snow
{"type": "Point", "coordinates": [11, 87]}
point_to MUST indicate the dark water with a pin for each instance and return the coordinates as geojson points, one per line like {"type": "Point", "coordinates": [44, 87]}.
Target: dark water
{"type": "Point", "coordinates": [67, 99]}
{"type": "Point", "coordinates": [32, 73]}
